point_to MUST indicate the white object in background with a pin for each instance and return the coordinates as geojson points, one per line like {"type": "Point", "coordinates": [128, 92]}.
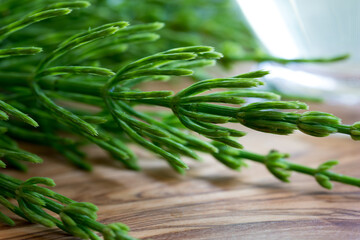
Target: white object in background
{"type": "Point", "coordinates": [310, 29]}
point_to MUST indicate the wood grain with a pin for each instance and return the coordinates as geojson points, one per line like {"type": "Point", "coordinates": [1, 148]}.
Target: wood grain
{"type": "Point", "coordinates": [212, 202]}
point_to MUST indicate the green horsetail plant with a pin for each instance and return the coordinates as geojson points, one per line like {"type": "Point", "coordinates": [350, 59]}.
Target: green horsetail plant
{"type": "Point", "coordinates": [76, 218]}
{"type": "Point", "coordinates": [70, 82]}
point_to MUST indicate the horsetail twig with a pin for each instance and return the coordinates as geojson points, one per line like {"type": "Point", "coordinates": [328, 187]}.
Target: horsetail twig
{"type": "Point", "coordinates": [76, 218]}
{"type": "Point", "coordinates": [77, 65]}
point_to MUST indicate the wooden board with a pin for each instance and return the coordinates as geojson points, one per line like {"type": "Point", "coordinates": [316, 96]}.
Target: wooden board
{"type": "Point", "coordinates": [212, 202]}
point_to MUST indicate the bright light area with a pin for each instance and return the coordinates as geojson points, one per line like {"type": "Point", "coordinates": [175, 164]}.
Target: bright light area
{"type": "Point", "coordinates": [302, 78]}
{"type": "Point", "coordinates": [266, 21]}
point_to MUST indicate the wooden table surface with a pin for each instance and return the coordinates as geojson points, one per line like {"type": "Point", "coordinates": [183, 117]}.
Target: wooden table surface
{"type": "Point", "coordinates": [211, 201]}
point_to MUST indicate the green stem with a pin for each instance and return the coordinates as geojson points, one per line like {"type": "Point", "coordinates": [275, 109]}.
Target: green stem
{"type": "Point", "coordinates": [9, 186]}
{"type": "Point", "coordinates": [96, 90]}
{"type": "Point", "coordinates": [301, 169]}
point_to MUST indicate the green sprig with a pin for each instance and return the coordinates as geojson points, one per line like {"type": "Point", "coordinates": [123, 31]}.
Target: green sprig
{"type": "Point", "coordinates": [77, 218]}
{"type": "Point", "coordinates": [277, 164]}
